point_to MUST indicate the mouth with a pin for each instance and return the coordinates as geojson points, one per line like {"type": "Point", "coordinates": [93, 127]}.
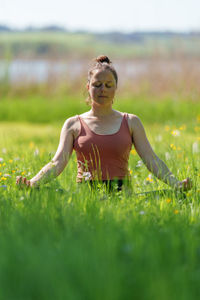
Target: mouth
{"type": "Point", "coordinates": [102, 96]}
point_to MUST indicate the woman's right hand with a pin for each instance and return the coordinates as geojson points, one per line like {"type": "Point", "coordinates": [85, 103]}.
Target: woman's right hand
{"type": "Point", "coordinates": [184, 185]}
{"type": "Point", "coordinates": [23, 181]}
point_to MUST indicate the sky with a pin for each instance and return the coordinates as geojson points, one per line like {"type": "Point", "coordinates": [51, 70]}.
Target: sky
{"type": "Point", "coordinates": [103, 15]}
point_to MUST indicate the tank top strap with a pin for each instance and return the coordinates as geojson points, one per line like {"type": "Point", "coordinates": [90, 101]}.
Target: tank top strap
{"type": "Point", "coordinates": [81, 121]}
{"type": "Point", "coordinates": [83, 128]}
{"type": "Point", "coordinates": [125, 121]}
{"type": "Point", "coordinates": [124, 125]}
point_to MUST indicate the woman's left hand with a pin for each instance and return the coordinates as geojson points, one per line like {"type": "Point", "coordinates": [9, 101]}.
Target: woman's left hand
{"type": "Point", "coordinates": [184, 185]}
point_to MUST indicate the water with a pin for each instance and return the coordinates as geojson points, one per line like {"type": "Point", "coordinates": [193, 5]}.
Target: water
{"type": "Point", "coordinates": [37, 70]}
{"type": "Point", "coordinates": [20, 70]}
{"type": "Point", "coordinates": [26, 71]}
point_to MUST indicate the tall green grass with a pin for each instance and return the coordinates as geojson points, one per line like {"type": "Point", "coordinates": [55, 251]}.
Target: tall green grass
{"type": "Point", "coordinates": [44, 109]}
{"type": "Point", "coordinates": [65, 241]}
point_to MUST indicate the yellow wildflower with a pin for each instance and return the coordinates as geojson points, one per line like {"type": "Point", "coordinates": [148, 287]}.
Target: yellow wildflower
{"type": "Point", "coordinates": [3, 178]}
{"type": "Point", "coordinates": [133, 152]}
{"type": "Point", "coordinates": [168, 200]}
{"type": "Point", "coordinates": [10, 161]}
{"type": "Point", "coordinates": [176, 211]}
{"type": "Point", "coordinates": [22, 173]}
{"type": "Point", "coordinates": [31, 145]}
{"type": "Point", "coordinates": [130, 172]}
{"type": "Point", "coordinates": [173, 147]}
{"type": "Point", "coordinates": [149, 179]}
{"type": "Point", "coordinates": [0, 173]}
{"type": "Point", "coordinates": [0, 165]}
{"type": "Point", "coordinates": [198, 118]}
{"type": "Point", "coordinates": [197, 128]}
{"type": "Point", "coordinates": [167, 128]}
{"type": "Point", "coordinates": [175, 132]}
{"type": "Point", "coordinates": [3, 164]}
{"type": "Point", "coordinates": [13, 171]}
{"type": "Point", "coordinates": [183, 127]}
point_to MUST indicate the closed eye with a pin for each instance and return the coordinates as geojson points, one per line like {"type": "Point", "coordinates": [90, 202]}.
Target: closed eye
{"type": "Point", "coordinates": [107, 85]}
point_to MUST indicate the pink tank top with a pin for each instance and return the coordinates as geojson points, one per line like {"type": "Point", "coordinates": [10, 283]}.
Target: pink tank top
{"type": "Point", "coordinates": [103, 157]}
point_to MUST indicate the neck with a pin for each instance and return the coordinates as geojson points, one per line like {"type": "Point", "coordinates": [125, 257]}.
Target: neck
{"type": "Point", "coordinates": [101, 111]}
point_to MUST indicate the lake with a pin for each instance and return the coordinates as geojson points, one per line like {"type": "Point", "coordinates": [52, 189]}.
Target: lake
{"type": "Point", "coordinates": [38, 70]}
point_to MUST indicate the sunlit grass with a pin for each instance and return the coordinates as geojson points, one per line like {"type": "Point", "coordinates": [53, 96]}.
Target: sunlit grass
{"type": "Point", "coordinates": [67, 241]}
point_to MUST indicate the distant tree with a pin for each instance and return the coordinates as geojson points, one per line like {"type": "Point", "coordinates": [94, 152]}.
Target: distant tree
{"type": "Point", "coordinates": [4, 28]}
{"type": "Point", "coordinates": [53, 28]}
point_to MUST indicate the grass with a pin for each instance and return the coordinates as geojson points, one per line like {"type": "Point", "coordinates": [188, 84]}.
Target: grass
{"type": "Point", "coordinates": [48, 109]}
{"type": "Point", "coordinates": [82, 244]}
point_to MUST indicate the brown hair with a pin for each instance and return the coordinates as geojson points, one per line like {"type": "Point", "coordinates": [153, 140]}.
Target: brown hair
{"type": "Point", "coordinates": [102, 62]}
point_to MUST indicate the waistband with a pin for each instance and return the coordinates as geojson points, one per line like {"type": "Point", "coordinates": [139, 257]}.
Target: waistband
{"type": "Point", "coordinates": [110, 185]}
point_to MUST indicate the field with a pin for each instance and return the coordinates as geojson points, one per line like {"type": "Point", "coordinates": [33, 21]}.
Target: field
{"type": "Point", "coordinates": [65, 45]}
{"type": "Point", "coordinates": [67, 242]}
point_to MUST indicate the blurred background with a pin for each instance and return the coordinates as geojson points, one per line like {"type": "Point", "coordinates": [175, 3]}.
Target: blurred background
{"type": "Point", "coordinates": [46, 49]}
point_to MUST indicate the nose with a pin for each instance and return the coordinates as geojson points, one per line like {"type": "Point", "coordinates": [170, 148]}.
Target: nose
{"type": "Point", "coordinates": [103, 86]}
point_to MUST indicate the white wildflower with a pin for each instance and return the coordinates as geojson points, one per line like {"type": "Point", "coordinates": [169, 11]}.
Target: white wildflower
{"type": "Point", "coordinates": [195, 147]}
{"type": "Point", "coordinates": [141, 212]}
{"type": "Point", "coordinates": [139, 163]}
{"type": "Point", "coordinates": [167, 155]}
{"type": "Point", "coordinates": [87, 175]}
{"type": "Point", "coordinates": [36, 152]}
{"type": "Point", "coordinates": [158, 138]}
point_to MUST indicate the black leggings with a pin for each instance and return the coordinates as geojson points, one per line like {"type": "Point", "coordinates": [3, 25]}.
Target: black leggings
{"type": "Point", "coordinates": [111, 185]}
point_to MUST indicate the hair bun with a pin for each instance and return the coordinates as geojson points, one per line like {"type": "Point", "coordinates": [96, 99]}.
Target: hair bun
{"type": "Point", "coordinates": [103, 59]}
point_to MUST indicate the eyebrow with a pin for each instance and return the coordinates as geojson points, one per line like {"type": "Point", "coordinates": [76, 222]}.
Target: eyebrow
{"type": "Point", "coordinates": [100, 81]}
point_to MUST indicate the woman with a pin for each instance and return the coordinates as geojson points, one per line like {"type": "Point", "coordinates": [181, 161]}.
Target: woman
{"type": "Point", "coordinates": [102, 139]}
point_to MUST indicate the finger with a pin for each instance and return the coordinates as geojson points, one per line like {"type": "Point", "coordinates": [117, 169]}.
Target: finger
{"type": "Point", "coordinates": [18, 179]}
{"type": "Point", "coordinates": [24, 180]}
{"type": "Point", "coordinates": [187, 183]}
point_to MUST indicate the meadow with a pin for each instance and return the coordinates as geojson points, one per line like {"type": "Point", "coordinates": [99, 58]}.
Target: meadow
{"type": "Point", "coordinates": [65, 45]}
{"type": "Point", "coordinates": [65, 241]}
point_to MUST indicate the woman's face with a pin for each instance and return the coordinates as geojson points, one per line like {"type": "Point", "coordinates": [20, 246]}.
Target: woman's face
{"type": "Point", "coordinates": [102, 87]}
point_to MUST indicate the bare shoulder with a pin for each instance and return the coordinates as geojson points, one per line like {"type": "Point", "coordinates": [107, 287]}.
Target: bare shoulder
{"type": "Point", "coordinates": [134, 122]}
{"type": "Point", "coordinates": [133, 118]}
{"type": "Point", "coordinates": [71, 122]}
{"type": "Point", "coordinates": [71, 126]}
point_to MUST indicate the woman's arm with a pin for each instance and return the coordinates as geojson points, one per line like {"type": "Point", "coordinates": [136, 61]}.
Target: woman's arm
{"type": "Point", "coordinates": [59, 161]}
{"type": "Point", "coordinates": [150, 159]}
